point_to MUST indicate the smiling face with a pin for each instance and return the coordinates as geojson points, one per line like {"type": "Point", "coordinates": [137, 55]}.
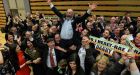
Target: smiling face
{"type": "Point", "coordinates": [117, 31]}
{"type": "Point", "coordinates": [123, 39]}
{"type": "Point", "coordinates": [112, 20]}
{"type": "Point", "coordinates": [127, 31]}
{"type": "Point", "coordinates": [13, 29]}
{"type": "Point", "coordinates": [121, 26]}
{"type": "Point", "coordinates": [29, 44]}
{"type": "Point", "coordinates": [10, 38]}
{"type": "Point", "coordinates": [53, 29]}
{"type": "Point", "coordinates": [101, 65]}
{"type": "Point", "coordinates": [84, 32]}
{"type": "Point", "coordinates": [137, 38]}
{"type": "Point", "coordinates": [57, 37]}
{"type": "Point", "coordinates": [28, 34]}
{"type": "Point", "coordinates": [106, 34]}
{"type": "Point", "coordinates": [89, 25]}
{"type": "Point", "coordinates": [102, 62]}
{"type": "Point", "coordinates": [85, 40]}
{"type": "Point", "coordinates": [69, 13]}
{"type": "Point", "coordinates": [51, 44]}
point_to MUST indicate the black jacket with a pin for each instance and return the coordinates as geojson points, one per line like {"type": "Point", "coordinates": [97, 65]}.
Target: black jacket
{"type": "Point", "coordinates": [89, 59]}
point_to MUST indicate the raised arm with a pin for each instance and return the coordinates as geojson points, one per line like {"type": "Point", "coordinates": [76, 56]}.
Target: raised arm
{"type": "Point", "coordinates": [133, 68]}
{"type": "Point", "coordinates": [132, 65]}
{"type": "Point", "coordinates": [88, 12]}
{"type": "Point", "coordinates": [54, 9]}
{"type": "Point", "coordinates": [117, 67]}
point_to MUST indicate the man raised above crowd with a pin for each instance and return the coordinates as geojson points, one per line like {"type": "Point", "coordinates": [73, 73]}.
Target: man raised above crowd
{"type": "Point", "coordinates": [69, 21]}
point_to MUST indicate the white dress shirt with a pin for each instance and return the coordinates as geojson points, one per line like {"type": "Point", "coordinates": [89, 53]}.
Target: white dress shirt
{"type": "Point", "coordinates": [67, 30]}
{"type": "Point", "coordinates": [82, 55]}
{"type": "Point", "coordinates": [48, 58]}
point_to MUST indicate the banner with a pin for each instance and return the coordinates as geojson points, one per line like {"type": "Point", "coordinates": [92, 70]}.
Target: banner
{"type": "Point", "coordinates": [108, 47]}
{"type": "Point", "coordinates": [51, 17]}
{"type": "Point", "coordinates": [132, 47]}
{"type": "Point", "coordinates": [104, 49]}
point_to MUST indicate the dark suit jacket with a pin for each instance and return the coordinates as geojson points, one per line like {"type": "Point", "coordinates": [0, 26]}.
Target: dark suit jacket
{"type": "Point", "coordinates": [45, 55]}
{"type": "Point", "coordinates": [89, 60]}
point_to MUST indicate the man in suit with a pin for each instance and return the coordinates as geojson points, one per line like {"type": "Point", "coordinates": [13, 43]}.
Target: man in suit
{"type": "Point", "coordinates": [69, 21]}
{"type": "Point", "coordinates": [50, 58]}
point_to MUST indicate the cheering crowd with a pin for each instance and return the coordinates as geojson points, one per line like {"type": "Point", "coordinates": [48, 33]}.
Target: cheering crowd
{"type": "Point", "coordinates": [61, 46]}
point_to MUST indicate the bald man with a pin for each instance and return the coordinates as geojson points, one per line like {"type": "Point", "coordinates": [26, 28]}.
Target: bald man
{"type": "Point", "coordinates": [69, 21]}
{"type": "Point", "coordinates": [123, 39]}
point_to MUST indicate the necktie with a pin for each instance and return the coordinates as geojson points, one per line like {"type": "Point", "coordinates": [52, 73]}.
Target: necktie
{"type": "Point", "coordinates": [52, 59]}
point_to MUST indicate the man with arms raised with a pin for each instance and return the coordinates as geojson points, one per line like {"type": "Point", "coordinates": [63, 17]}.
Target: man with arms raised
{"type": "Point", "coordinates": [69, 21]}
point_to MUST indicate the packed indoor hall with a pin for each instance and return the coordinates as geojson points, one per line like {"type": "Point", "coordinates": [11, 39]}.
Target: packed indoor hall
{"type": "Point", "coordinates": [69, 37]}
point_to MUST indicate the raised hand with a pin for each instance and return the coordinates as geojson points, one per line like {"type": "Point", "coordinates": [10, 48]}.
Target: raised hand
{"type": "Point", "coordinates": [19, 40]}
{"type": "Point", "coordinates": [49, 1]}
{"type": "Point", "coordinates": [92, 6]}
{"type": "Point", "coordinates": [131, 55]}
{"type": "Point", "coordinates": [124, 57]}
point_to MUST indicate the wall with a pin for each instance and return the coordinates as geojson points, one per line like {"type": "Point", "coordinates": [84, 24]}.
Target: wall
{"type": "Point", "coordinates": [105, 7]}
{"type": "Point", "coordinates": [2, 14]}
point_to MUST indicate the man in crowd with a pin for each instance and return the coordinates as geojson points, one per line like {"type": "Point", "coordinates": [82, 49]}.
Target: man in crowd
{"type": "Point", "coordinates": [69, 21]}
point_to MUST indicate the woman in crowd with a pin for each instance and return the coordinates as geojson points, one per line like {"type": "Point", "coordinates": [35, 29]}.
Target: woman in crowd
{"type": "Point", "coordinates": [22, 62]}
{"type": "Point", "coordinates": [34, 55]}
{"type": "Point", "coordinates": [74, 66]}
{"type": "Point", "coordinates": [103, 66]}
{"type": "Point", "coordinates": [11, 44]}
